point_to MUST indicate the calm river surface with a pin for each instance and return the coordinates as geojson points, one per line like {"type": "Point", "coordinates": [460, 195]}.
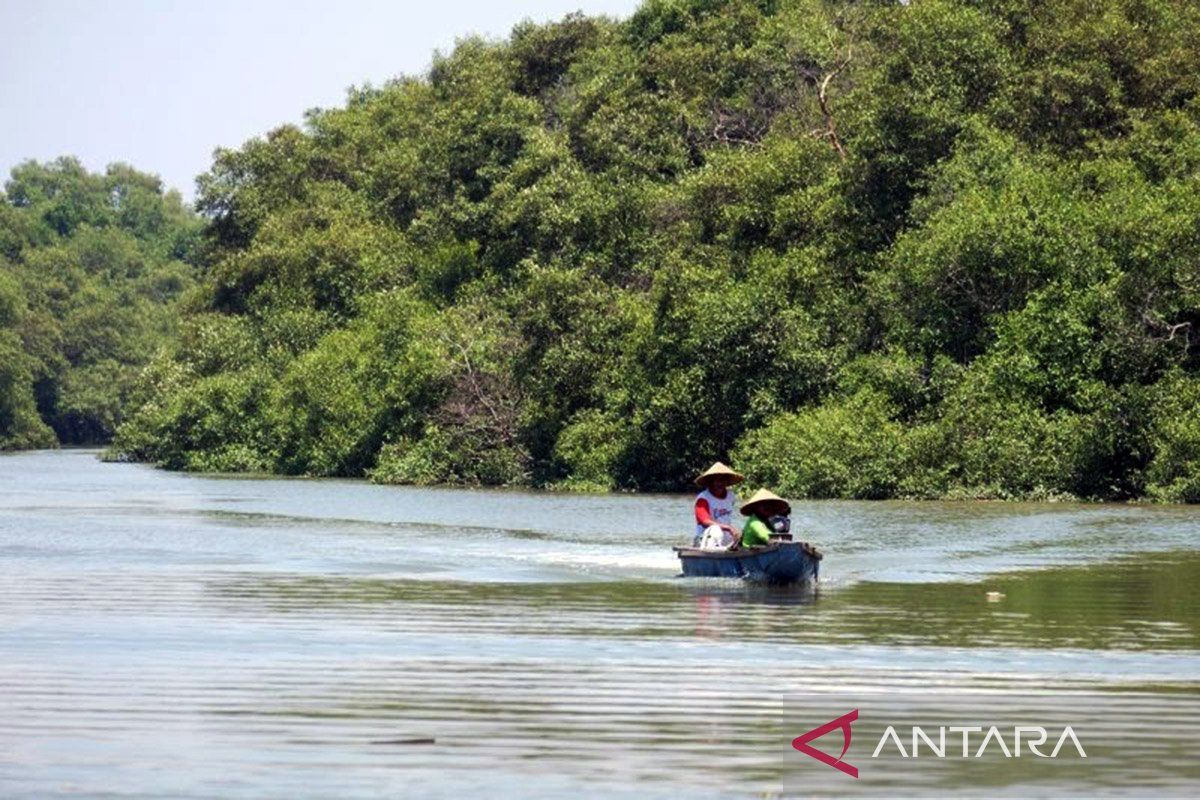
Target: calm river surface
{"type": "Point", "coordinates": [175, 635]}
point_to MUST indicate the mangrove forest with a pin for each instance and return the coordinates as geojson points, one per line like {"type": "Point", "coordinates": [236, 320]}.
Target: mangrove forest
{"type": "Point", "coordinates": [936, 249]}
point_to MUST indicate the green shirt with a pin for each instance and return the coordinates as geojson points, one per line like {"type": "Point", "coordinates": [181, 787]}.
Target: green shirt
{"type": "Point", "coordinates": [756, 533]}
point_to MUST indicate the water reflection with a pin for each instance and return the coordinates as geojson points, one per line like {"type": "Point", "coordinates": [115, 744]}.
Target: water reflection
{"type": "Point", "coordinates": [1137, 603]}
{"type": "Point", "coordinates": [718, 607]}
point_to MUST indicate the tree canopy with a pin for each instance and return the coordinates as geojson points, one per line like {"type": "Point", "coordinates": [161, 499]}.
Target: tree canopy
{"type": "Point", "coordinates": [947, 248]}
{"type": "Point", "coordinates": [91, 267]}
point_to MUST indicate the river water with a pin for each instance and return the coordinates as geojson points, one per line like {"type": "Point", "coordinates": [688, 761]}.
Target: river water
{"type": "Point", "coordinates": [174, 635]}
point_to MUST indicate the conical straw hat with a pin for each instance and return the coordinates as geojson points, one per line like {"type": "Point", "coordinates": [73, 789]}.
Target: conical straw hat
{"type": "Point", "coordinates": [762, 497]}
{"type": "Point", "coordinates": [718, 469]}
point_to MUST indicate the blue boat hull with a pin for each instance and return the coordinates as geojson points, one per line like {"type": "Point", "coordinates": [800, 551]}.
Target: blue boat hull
{"type": "Point", "coordinates": [777, 563]}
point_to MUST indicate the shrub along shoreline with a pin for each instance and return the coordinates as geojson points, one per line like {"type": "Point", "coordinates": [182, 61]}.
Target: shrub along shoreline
{"type": "Point", "coordinates": [936, 250]}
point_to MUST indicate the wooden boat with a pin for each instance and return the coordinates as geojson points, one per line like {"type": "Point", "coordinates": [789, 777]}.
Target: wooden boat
{"type": "Point", "coordinates": [780, 562]}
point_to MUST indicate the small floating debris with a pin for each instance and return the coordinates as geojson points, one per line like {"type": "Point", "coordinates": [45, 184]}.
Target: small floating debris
{"type": "Point", "coordinates": [995, 597]}
{"type": "Point", "coordinates": [410, 740]}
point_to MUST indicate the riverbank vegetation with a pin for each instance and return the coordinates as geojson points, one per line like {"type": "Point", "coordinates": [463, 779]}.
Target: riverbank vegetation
{"type": "Point", "coordinates": [90, 267]}
{"type": "Point", "coordinates": [938, 249]}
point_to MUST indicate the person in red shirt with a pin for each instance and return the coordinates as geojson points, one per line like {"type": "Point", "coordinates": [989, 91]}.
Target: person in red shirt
{"type": "Point", "coordinates": [714, 508]}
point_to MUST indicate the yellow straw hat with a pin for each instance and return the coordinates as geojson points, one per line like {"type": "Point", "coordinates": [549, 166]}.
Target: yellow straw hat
{"type": "Point", "coordinates": [718, 469]}
{"type": "Point", "coordinates": [761, 498]}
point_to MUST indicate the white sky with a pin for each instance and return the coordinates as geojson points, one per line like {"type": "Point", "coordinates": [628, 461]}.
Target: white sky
{"type": "Point", "coordinates": [161, 83]}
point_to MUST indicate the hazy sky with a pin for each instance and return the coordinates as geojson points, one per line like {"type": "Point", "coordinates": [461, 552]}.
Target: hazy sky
{"type": "Point", "coordinates": [160, 83]}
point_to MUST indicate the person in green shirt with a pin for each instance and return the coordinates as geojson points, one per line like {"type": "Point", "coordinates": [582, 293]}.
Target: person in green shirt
{"type": "Point", "coordinates": [760, 509]}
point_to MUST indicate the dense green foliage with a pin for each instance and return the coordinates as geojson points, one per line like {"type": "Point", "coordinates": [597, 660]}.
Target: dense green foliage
{"type": "Point", "coordinates": [90, 267]}
{"type": "Point", "coordinates": [944, 248]}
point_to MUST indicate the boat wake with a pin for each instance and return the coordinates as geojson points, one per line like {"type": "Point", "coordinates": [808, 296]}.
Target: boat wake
{"type": "Point", "coordinates": [657, 560]}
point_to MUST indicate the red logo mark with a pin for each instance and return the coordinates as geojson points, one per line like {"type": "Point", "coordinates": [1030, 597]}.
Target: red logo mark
{"type": "Point", "coordinates": [801, 743]}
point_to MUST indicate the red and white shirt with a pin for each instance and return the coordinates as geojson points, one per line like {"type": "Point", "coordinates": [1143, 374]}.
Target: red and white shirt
{"type": "Point", "coordinates": [713, 510]}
